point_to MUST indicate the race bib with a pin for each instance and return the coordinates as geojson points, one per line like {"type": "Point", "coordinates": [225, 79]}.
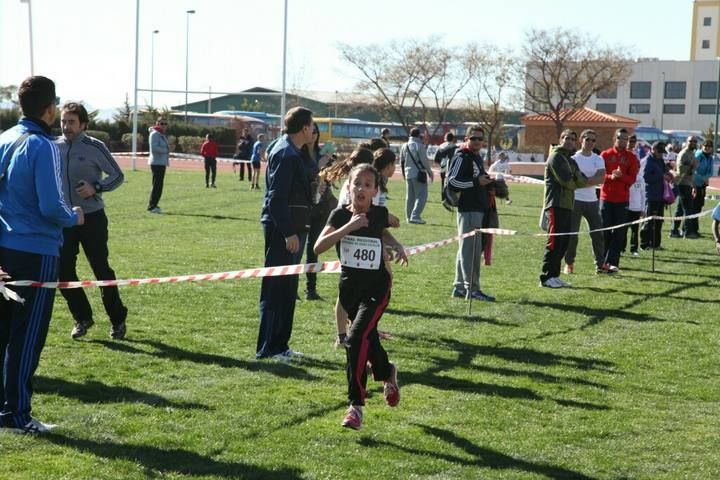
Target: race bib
{"type": "Point", "coordinates": [361, 252]}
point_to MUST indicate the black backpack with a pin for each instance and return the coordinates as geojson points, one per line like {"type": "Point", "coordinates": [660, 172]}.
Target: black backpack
{"type": "Point", "coordinates": [450, 197]}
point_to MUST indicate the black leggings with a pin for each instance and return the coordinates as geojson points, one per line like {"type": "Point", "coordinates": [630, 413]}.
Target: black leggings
{"type": "Point", "coordinates": [210, 168]}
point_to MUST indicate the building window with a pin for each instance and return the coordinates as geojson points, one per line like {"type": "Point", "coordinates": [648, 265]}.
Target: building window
{"type": "Point", "coordinates": [707, 21]}
{"type": "Point", "coordinates": [640, 89]}
{"type": "Point", "coordinates": [608, 93]}
{"type": "Point", "coordinates": [706, 109]}
{"type": "Point", "coordinates": [708, 89]}
{"type": "Point", "coordinates": [674, 108]}
{"type": "Point", "coordinates": [706, 44]}
{"type": "Point", "coordinates": [675, 89]}
{"type": "Point", "coordinates": [606, 107]}
{"type": "Point", "coordinates": [639, 108]}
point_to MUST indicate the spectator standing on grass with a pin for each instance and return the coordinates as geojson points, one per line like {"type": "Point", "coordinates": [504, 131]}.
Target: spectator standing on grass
{"type": "Point", "coordinates": [33, 213]}
{"type": "Point", "coordinates": [637, 205]}
{"type": "Point", "coordinates": [621, 168]}
{"type": "Point", "coordinates": [417, 173]}
{"type": "Point", "coordinates": [586, 203]}
{"type": "Point", "coordinates": [385, 135]}
{"type": "Point", "coordinates": [324, 202]}
{"type": "Point", "coordinates": [89, 171]}
{"type": "Point", "coordinates": [502, 167]}
{"type": "Point", "coordinates": [159, 161]}
{"type": "Point", "coordinates": [285, 220]}
{"type": "Point", "coordinates": [244, 152]}
{"type": "Point", "coordinates": [684, 173]}
{"type": "Point", "coordinates": [443, 156]}
{"type": "Point", "coordinates": [467, 175]}
{"type": "Point", "coordinates": [562, 178]}
{"type": "Point", "coordinates": [359, 231]}
{"type": "Point", "coordinates": [258, 155]}
{"type": "Point", "coordinates": [209, 150]}
{"type": "Point", "coordinates": [702, 175]}
{"type": "Point", "coordinates": [655, 175]}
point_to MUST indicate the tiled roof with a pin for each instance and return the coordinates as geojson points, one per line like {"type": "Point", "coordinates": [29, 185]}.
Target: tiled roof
{"type": "Point", "coordinates": [584, 115]}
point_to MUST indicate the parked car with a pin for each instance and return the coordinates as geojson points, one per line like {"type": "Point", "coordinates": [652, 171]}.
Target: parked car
{"type": "Point", "coordinates": [651, 134]}
{"type": "Point", "coordinates": [679, 136]}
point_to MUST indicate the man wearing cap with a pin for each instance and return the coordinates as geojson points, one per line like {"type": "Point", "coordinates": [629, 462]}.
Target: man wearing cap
{"type": "Point", "coordinates": [684, 173]}
{"type": "Point", "coordinates": [702, 175]}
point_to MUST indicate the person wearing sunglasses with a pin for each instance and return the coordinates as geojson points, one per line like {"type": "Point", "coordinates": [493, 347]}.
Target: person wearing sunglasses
{"type": "Point", "coordinates": [467, 175]}
{"type": "Point", "coordinates": [586, 203]}
{"type": "Point", "coordinates": [159, 161]}
{"type": "Point", "coordinates": [621, 169]}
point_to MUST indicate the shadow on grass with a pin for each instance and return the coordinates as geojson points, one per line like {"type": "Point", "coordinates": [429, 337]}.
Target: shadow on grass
{"type": "Point", "coordinates": [96, 392]}
{"type": "Point", "coordinates": [172, 461]}
{"type": "Point", "coordinates": [446, 316]}
{"type": "Point", "coordinates": [212, 217]}
{"type": "Point", "coordinates": [475, 455]}
{"type": "Point", "coordinates": [436, 377]}
{"type": "Point", "coordinates": [302, 417]}
{"type": "Point", "coordinates": [169, 352]}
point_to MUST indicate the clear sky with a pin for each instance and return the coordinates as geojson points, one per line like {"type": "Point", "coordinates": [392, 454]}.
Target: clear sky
{"type": "Point", "coordinates": [88, 46]}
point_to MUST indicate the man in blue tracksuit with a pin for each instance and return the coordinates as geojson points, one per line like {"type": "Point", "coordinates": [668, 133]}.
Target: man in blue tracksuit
{"type": "Point", "coordinates": [33, 213]}
{"type": "Point", "coordinates": [285, 220]}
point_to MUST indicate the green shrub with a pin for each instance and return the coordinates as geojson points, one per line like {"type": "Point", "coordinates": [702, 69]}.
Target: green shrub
{"type": "Point", "coordinates": [190, 144]}
{"type": "Point", "coordinates": [127, 140]}
{"type": "Point", "coordinates": [100, 135]}
{"type": "Point", "coordinates": [8, 118]}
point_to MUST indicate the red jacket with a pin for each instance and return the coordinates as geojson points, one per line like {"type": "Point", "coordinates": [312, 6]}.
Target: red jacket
{"type": "Point", "coordinates": [618, 190]}
{"type": "Point", "coordinates": [209, 148]}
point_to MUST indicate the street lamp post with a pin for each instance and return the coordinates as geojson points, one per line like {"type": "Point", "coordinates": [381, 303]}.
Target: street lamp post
{"type": "Point", "coordinates": [30, 31]}
{"type": "Point", "coordinates": [152, 67]}
{"type": "Point", "coordinates": [717, 107]}
{"type": "Point", "coordinates": [187, 57]}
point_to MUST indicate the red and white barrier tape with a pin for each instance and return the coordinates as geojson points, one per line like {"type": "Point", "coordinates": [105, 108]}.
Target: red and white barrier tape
{"type": "Point", "coordinates": [182, 156]}
{"type": "Point", "coordinates": [320, 267]}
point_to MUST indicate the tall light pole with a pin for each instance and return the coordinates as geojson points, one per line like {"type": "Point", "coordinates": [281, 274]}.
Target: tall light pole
{"type": "Point", "coordinates": [135, 87]}
{"type": "Point", "coordinates": [284, 66]}
{"type": "Point", "coordinates": [152, 67]}
{"type": "Point", "coordinates": [717, 108]}
{"type": "Point", "coordinates": [187, 56]}
{"type": "Point", "coordinates": [32, 55]}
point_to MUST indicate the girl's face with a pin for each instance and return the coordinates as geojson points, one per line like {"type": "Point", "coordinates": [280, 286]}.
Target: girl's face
{"type": "Point", "coordinates": [388, 171]}
{"type": "Point", "coordinates": [362, 189]}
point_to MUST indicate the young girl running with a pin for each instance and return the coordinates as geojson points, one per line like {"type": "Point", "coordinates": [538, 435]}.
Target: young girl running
{"type": "Point", "coordinates": [358, 230]}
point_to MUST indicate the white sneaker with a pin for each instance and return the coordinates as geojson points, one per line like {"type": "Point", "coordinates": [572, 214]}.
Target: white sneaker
{"type": "Point", "coordinates": [156, 210]}
{"type": "Point", "coordinates": [281, 357]}
{"type": "Point", "coordinates": [293, 354]}
{"type": "Point", "coordinates": [562, 283]}
{"type": "Point", "coordinates": [34, 426]}
{"type": "Point", "coordinates": [551, 283]}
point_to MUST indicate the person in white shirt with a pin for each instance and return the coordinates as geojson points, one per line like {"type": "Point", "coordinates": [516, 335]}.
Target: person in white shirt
{"type": "Point", "coordinates": [499, 167]}
{"type": "Point", "coordinates": [636, 208]}
{"type": "Point", "coordinates": [586, 203]}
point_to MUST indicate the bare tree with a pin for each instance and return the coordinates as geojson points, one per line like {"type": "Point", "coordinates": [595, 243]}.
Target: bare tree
{"type": "Point", "coordinates": [447, 76]}
{"type": "Point", "coordinates": [397, 74]}
{"type": "Point", "coordinates": [564, 68]}
{"type": "Point", "coordinates": [493, 77]}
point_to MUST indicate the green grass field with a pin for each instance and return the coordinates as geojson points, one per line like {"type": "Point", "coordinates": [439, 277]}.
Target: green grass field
{"type": "Point", "coordinates": [615, 378]}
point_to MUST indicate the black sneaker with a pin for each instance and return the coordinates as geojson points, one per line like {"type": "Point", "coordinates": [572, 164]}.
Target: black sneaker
{"type": "Point", "coordinates": [675, 234]}
{"type": "Point", "coordinates": [81, 328]}
{"type": "Point", "coordinates": [117, 332]}
{"type": "Point", "coordinates": [312, 295]}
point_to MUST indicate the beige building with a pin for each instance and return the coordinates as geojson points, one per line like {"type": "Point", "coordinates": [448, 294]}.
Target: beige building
{"type": "Point", "coordinates": [705, 41]}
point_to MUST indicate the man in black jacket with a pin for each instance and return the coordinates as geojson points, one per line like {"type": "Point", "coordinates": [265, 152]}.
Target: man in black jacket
{"type": "Point", "coordinates": [467, 175]}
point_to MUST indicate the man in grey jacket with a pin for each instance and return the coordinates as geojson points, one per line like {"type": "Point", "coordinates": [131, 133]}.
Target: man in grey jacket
{"type": "Point", "coordinates": [159, 160]}
{"type": "Point", "coordinates": [417, 172]}
{"type": "Point", "coordinates": [85, 160]}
